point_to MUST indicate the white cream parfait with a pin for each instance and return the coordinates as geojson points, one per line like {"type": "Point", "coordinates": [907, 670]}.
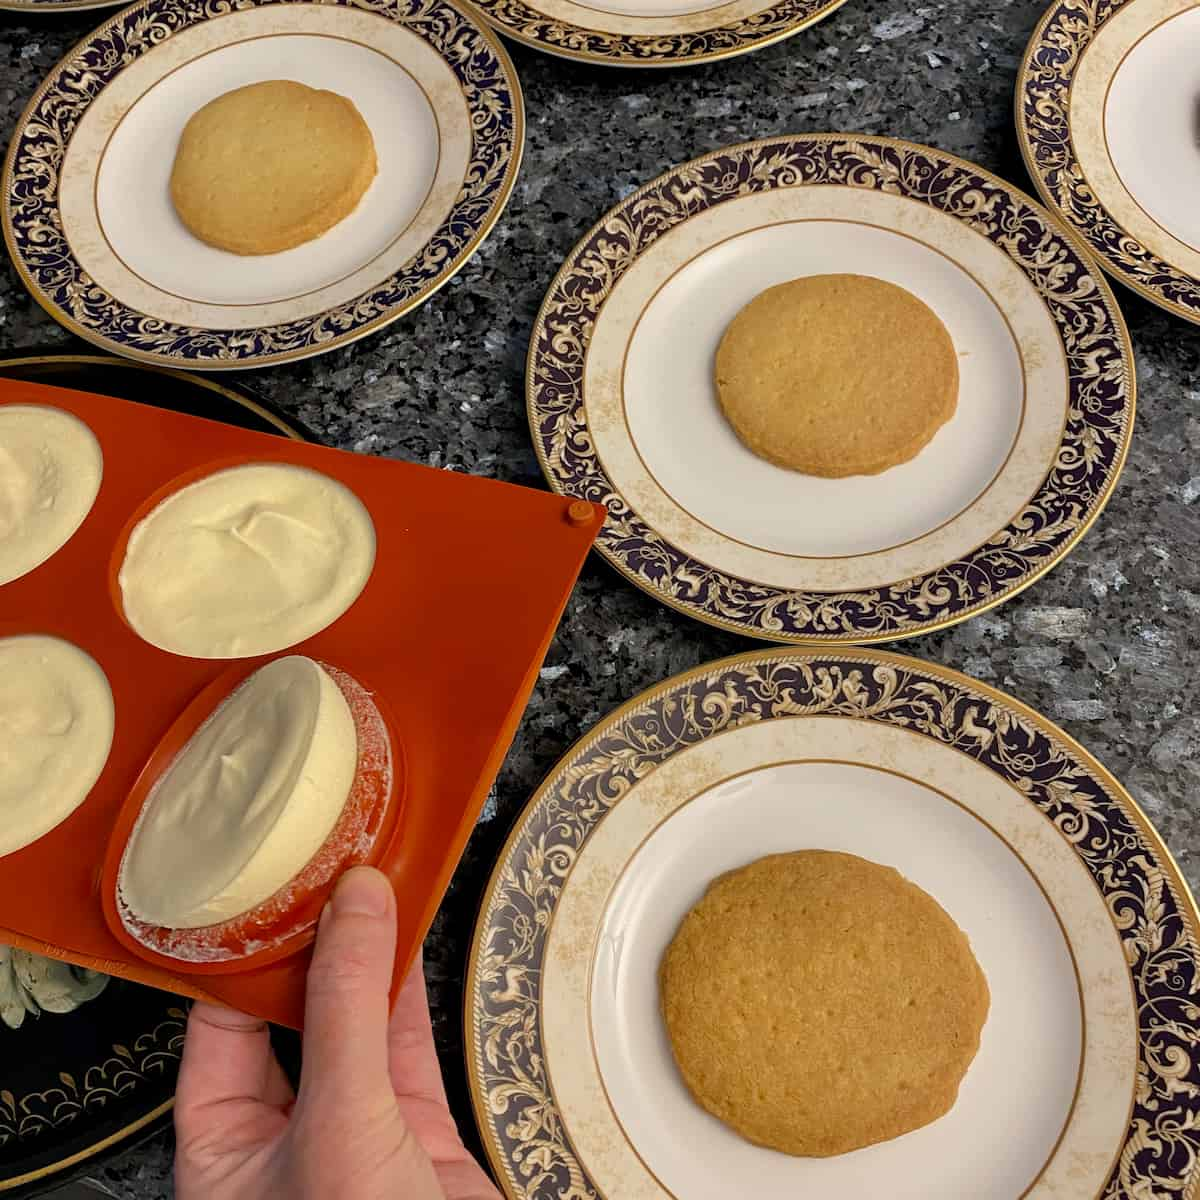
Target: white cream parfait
{"type": "Point", "coordinates": [267, 788]}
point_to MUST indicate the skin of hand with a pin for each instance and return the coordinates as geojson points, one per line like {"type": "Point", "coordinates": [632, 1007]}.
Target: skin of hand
{"type": "Point", "coordinates": [370, 1121]}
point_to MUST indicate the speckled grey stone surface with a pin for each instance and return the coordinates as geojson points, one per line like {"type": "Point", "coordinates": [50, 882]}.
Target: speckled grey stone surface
{"type": "Point", "coordinates": [1106, 645]}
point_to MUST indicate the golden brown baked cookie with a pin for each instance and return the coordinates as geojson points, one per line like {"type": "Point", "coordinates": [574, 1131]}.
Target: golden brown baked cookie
{"type": "Point", "coordinates": [837, 375]}
{"type": "Point", "coordinates": [271, 165]}
{"type": "Point", "coordinates": [818, 1003]}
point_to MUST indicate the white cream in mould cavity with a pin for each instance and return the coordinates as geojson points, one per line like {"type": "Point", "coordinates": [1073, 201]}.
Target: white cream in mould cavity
{"type": "Point", "coordinates": [249, 560]}
{"type": "Point", "coordinates": [50, 470]}
{"type": "Point", "coordinates": [56, 731]}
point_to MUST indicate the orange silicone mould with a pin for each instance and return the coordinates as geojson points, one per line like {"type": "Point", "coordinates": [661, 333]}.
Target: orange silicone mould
{"type": "Point", "coordinates": [470, 579]}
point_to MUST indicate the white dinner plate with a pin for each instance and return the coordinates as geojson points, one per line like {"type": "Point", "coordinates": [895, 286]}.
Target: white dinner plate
{"type": "Point", "coordinates": [1108, 116]}
{"type": "Point", "coordinates": [652, 33]}
{"type": "Point", "coordinates": [87, 211]}
{"type": "Point", "coordinates": [1087, 1080]}
{"type": "Point", "coordinates": [623, 408]}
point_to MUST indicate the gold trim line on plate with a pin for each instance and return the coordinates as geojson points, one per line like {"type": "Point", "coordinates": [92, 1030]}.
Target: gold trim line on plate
{"type": "Point", "coordinates": [1065, 221]}
{"type": "Point", "coordinates": [503, 195]}
{"type": "Point", "coordinates": [630, 16]}
{"type": "Point", "coordinates": [1068, 233]}
{"type": "Point", "coordinates": [82, 1155]}
{"type": "Point", "coordinates": [1189, 911]}
{"type": "Point", "coordinates": [642, 64]}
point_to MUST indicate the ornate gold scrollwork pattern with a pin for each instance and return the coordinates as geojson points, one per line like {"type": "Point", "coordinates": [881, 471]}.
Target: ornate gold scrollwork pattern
{"type": "Point", "coordinates": [153, 1053]}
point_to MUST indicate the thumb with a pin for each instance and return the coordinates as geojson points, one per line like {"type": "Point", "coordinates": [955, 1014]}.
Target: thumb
{"type": "Point", "coordinates": [346, 1011]}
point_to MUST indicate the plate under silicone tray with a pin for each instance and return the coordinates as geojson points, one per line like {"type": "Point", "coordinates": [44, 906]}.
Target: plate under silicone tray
{"type": "Point", "coordinates": [470, 578]}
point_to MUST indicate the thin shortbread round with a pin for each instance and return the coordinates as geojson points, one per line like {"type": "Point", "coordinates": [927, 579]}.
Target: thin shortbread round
{"type": "Point", "coordinates": [837, 375]}
{"type": "Point", "coordinates": [818, 1003]}
{"type": "Point", "coordinates": [271, 165]}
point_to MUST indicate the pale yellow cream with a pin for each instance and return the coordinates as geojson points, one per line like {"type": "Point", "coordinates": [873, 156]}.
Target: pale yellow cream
{"type": "Point", "coordinates": [50, 468]}
{"type": "Point", "coordinates": [246, 561]}
{"type": "Point", "coordinates": [56, 729]}
{"type": "Point", "coordinates": [247, 802]}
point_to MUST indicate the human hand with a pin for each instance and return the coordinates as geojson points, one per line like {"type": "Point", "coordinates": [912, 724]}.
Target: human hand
{"type": "Point", "coordinates": [370, 1121]}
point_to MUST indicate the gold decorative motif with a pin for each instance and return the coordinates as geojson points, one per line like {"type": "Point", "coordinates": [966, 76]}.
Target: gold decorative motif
{"type": "Point", "coordinates": [152, 1055]}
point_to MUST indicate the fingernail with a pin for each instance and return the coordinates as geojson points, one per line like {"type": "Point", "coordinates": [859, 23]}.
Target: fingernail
{"type": "Point", "coordinates": [362, 892]}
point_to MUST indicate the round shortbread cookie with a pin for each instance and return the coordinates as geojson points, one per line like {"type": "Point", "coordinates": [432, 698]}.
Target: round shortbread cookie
{"type": "Point", "coordinates": [819, 1003]}
{"type": "Point", "coordinates": [271, 165]}
{"type": "Point", "coordinates": [837, 375]}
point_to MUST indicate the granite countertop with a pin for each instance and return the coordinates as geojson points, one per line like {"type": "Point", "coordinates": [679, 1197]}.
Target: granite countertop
{"type": "Point", "coordinates": [1101, 645]}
